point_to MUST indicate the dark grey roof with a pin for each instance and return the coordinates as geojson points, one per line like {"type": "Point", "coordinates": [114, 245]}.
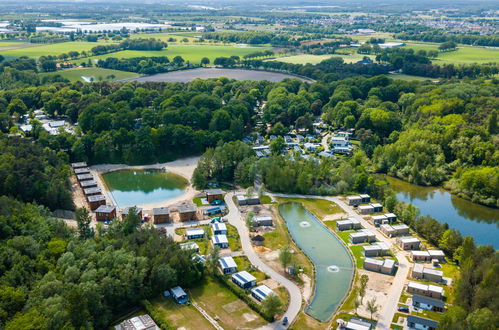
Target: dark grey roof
{"type": "Point", "coordinates": [258, 238]}
{"type": "Point", "coordinates": [185, 208]}
{"type": "Point", "coordinates": [214, 192]}
{"type": "Point", "coordinates": [77, 165]}
{"type": "Point", "coordinates": [87, 183]}
{"type": "Point", "coordinates": [92, 190]}
{"type": "Point", "coordinates": [422, 321]}
{"type": "Point", "coordinates": [160, 211]}
{"type": "Point", "coordinates": [84, 177]}
{"type": "Point", "coordinates": [428, 301]}
{"type": "Point", "coordinates": [127, 209]}
{"type": "Point", "coordinates": [105, 209]}
{"type": "Point", "coordinates": [96, 198]}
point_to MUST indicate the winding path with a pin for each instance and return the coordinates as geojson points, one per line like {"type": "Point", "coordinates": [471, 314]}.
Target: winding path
{"type": "Point", "coordinates": [388, 310]}
{"type": "Point", "coordinates": [235, 219]}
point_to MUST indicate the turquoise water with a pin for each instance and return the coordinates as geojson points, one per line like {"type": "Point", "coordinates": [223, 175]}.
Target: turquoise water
{"type": "Point", "coordinates": [471, 219]}
{"type": "Point", "coordinates": [139, 187]}
{"type": "Point", "coordinates": [334, 268]}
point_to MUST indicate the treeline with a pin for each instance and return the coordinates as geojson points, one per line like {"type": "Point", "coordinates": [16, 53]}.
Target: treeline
{"type": "Point", "coordinates": [130, 44]}
{"type": "Point", "coordinates": [31, 173]}
{"type": "Point", "coordinates": [437, 36]}
{"type": "Point", "coordinates": [144, 65]}
{"type": "Point", "coordinates": [54, 278]}
{"type": "Point", "coordinates": [253, 38]}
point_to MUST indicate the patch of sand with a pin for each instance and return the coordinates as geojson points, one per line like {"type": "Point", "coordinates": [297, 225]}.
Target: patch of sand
{"type": "Point", "coordinates": [336, 216]}
{"type": "Point", "coordinates": [249, 317]}
{"type": "Point", "coordinates": [233, 306]}
{"type": "Point", "coordinates": [377, 286]}
{"type": "Point", "coordinates": [307, 287]}
{"type": "Point", "coordinates": [271, 283]}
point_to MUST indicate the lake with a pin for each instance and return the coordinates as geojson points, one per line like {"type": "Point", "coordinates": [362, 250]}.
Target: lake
{"type": "Point", "coordinates": [139, 187]}
{"type": "Point", "coordinates": [471, 219]}
{"type": "Point", "coordinates": [334, 268]}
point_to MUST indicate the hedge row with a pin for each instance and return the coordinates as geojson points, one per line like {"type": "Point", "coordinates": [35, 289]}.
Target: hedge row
{"type": "Point", "coordinates": [156, 315]}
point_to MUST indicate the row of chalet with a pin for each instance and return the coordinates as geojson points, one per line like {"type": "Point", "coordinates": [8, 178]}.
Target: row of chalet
{"type": "Point", "coordinates": [93, 193]}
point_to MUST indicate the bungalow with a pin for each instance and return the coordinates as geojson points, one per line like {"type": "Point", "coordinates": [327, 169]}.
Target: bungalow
{"type": "Point", "coordinates": [288, 139]}
{"type": "Point", "coordinates": [365, 198]}
{"type": "Point", "coordinates": [219, 228]}
{"type": "Point", "coordinates": [377, 207]}
{"type": "Point", "coordinates": [81, 170]}
{"type": "Point", "coordinates": [161, 215]}
{"type": "Point", "coordinates": [194, 233]}
{"type": "Point", "coordinates": [416, 322]}
{"type": "Point", "coordinates": [366, 209]}
{"type": "Point", "coordinates": [88, 184]}
{"type": "Point", "coordinates": [248, 200]}
{"type": "Point", "coordinates": [257, 240]}
{"type": "Point", "coordinates": [430, 304]}
{"type": "Point", "coordinates": [92, 191]}
{"type": "Point", "coordinates": [214, 195]}
{"type": "Point", "coordinates": [373, 264]}
{"type": "Point", "coordinates": [401, 229]}
{"type": "Point", "coordinates": [189, 246]}
{"type": "Point", "coordinates": [244, 279]}
{"type": "Point", "coordinates": [437, 254]}
{"type": "Point", "coordinates": [126, 211]}
{"type": "Point", "coordinates": [388, 266]}
{"type": "Point", "coordinates": [262, 221]}
{"type": "Point", "coordinates": [356, 324]}
{"type": "Point", "coordinates": [378, 220]}
{"type": "Point", "coordinates": [179, 295]}
{"type": "Point", "coordinates": [83, 177]}
{"type": "Point", "coordinates": [220, 240]}
{"type": "Point", "coordinates": [261, 292]}
{"type": "Point", "coordinates": [213, 210]}
{"type": "Point", "coordinates": [95, 201]}
{"type": "Point", "coordinates": [432, 291]}
{"type": "Point", "coordinates": [227, 265]}
{"type": "Point", "coordinates": [420, 256]}
{"type": "Point", "coordinates": [375, 250]}
{"type": "Point", "coordinates": [141, 322]}
{"type": "Point", "coordinates": [354, 200]}
{"type": "Point", "coordinates": [387, 230]}
{"type": "Point", "coordinates": [78, 165]}
{"type": "Point", "coordinates": [409, 243]}
{"type": "Point", "coordinates": [421, 272]}
{"type": "Point", "coordinates": [391, 217]}
{"type": "Point", "coordinates": [340, 141]}
{"type": "Point", "coordinates": [105, 213]}
{"type": "Point", "coordinates": [362, 236]}
{"type": "Point", "coordinates": [311, 146]}
{"type": "Point", "coordinates": [187, 212]}
{"type": "Point", "coordinates": [347, 224]}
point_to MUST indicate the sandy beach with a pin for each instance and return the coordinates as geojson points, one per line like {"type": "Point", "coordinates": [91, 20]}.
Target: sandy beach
{"type": "Point", "coordinates": [183, 167]}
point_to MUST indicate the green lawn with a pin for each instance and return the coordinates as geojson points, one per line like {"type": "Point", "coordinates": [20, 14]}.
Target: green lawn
{"type": "Point", "coordinates": [243, 263]}
{"type": "Point", "coordinates": [357, 253]}
{"type": "Point", "coordinates": [182, 316]}
{"type": "Point", "coordinates": [52, 49]}
{"type": "Point", "coordinates": [192, 53]}
{"type": "Point", "coordinates": [319, 207]}
{"type": "Point", "coordinates": [303, 59]}
{"type": "Point", "coordinates": [233, 238]}
{"type": "Point", "coordinates": [304, 321]}
{"type": "Point", "coordinates": [407, 77]}
{"type": "Point", "coordinates": [97, 73]}
{"type": "Point", "coordinates": [219, 301]}
{"type": "Point", "coordinates": [463, 55]}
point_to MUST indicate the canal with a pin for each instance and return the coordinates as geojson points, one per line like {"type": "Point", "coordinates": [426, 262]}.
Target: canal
{"type": "Point", "coordinates": [139, 187]}
{"type": "Point", "coordinates": [334, 268]}
{"type": "Point", "coordinates": [471, 219]}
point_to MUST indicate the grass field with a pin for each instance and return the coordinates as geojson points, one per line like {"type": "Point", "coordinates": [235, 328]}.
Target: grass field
{"type": "Point", "coordinates": [191, 53]}
{"type": "Point", "coordinates": [218, 301]}
{"type": "Point", "coordinates": [77, 73]}
{"type": "Point", "coordinates": [181, 316]}
{"type": "Point", "coordinates": [304, 59]}
{"type": "Point", "coordinates": [52, 49]}
{"type": "Point", "coordinates": [407, 77]}
{"type": "Point", "coordinates": [319, 207]}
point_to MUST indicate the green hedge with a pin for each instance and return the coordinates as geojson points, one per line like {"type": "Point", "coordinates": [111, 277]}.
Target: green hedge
{"type": "Point", "coordinates": [156, 315]}
{"type": "Point", "coordinates": [242, 294]}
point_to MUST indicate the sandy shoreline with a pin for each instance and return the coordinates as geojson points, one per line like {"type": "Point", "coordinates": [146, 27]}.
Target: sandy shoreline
{"type": "Point", "coordinates": [183, 167]}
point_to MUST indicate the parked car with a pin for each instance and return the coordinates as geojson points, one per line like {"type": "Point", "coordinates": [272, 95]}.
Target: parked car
{"type": "Point", "coordinates": [403, 309]}
{"type": "Point", "coordinates": [285, 320]}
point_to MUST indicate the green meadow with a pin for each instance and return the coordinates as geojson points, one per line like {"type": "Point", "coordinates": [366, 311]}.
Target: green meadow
{"type": "Point", "coordinates": [51, 49]}
{"type": "Point", "coordinates": [77, 73]}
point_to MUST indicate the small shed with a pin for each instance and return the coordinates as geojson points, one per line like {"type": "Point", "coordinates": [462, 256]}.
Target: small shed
{"type": "Point", "coordinates": [187, 212]}
{"type": "Point", "coordinates": [78, 165]}
{"type": "Point", "coordinates": [105, 213]}
{"type": "Point", "coordinates": [219, 228]}
{"type": "Point", "coordinates": [214, 195]}
{"type": "Point", "coordinates": [88, 184]}
{"type": "Point", "coordinates": [179, 295]}
{"type": "Point", "coordinates": [257, 240]}
{"type": "Point", "coordinates": [261, 292]}
{"type": "Point", "coordinates": [220, 240]}
{"type": "Point", "coordinates": [161, 215]}
{"type": "Point", "coordinates": [82, 170]}
{"type": "Point", "coordinates": [92, 191]}
{"type": "Point", "coordinates": [95, 201]}
{"type": "Point", "coordinates": [262, 221]}
{"type": "Point", "coordinates": [127, 210]}
{"type": "Point", "coordinates": [194, 233]}
{"type": "Point", "coordinates": [227, 265]}
{"type": "Point", "coordinates": [244, 279]}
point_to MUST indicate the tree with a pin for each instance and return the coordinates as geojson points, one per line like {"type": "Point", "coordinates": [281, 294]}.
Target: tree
{"type": "Point", "coordinates": [450, 241]}
{"type": "Point", "coordinates": [372, 307]}
{"type": "Point", "coordinates": [363, 286]}
{"type": "Point", "coordinates": [272, 305]}
{"type": "Point", "coordinates": [391, 202]}
{"type": "Point", "coordinates": [285, 256]}
{"type": "Point", "coordinates": [250, 216]}
{"type": "Point", "coordinates": [131, 221]}
{"type": "Point", "coordinates": [212, 260]}
{"type": "Point", "coordinates": [83, 219]}
{"type": "Point", "coordinates": [205, 61]}
{"type": "Point", "coordinates": [278, 146]}
{"type": "Point", "coordinates": [356, 303]}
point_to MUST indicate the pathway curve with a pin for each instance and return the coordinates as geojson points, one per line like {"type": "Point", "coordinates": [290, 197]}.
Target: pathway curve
{"type": "Point", "coordinates": [235, 219]}
{"type": "Point", "coordinates": [388, 310]}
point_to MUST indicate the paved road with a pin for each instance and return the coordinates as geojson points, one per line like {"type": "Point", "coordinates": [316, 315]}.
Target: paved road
{"type": "Point", "coordinates": [388, 310]}
{"type": "Point", "coordinates": [234, 218]}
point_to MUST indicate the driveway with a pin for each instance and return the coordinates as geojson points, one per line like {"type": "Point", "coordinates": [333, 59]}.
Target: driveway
{"type": "Point", "coordinates": [235, 219]}
{"type": "Point", "coordinates": [388, 310]}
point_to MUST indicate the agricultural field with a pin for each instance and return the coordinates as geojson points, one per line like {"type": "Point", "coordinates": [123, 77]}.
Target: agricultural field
{"type": "Point", "coordinates": [303, 59]}
{"type": "Point", "coordinates": [407, 77]}
{"type": "Point", "coordinates": [191, 53]}
{"type": "Point", "coordinates": [98, 74]}
{"type": "Point", "coordinates": [51, 49]}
